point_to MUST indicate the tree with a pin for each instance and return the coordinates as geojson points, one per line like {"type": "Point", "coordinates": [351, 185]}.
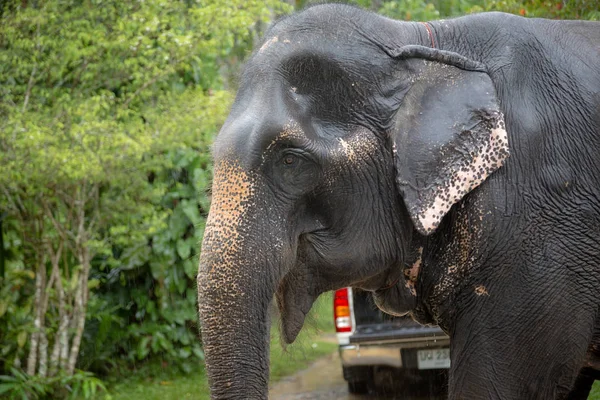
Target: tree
{"type": "Point", "coordinates": [92, 108]}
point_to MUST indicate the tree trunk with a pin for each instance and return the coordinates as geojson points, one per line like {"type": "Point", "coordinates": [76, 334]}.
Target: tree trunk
{"type": "Point", "coordinates": [64, 343]}
{"type": "Point", "coordinates": [40, 284]}
{"type": "Point", "coordinates": [81, 298]}
{"type": "Point", "coordinates": [2, 269]}
{"type": "Point", "coordinates": [55, 279]}
{"type": "Point", "coordinates": [60, 348]}
{"type": "Point", "coordinates": [43, 346]}
{"type": "Point", "coordinates": [43, 358]}
{"type": "Point", "coordinates": [53, 366]}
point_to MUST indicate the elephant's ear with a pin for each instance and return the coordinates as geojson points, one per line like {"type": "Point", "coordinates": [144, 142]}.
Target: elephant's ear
{"type": "Point", "coordinates": [448, 133]}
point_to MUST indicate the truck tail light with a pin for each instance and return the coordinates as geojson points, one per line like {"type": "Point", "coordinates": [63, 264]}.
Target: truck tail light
{"type": "Point", "coordinates": [341, 311]}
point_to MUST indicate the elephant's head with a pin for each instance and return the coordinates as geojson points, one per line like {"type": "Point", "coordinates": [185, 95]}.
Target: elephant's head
{"type": "Point", "coordinates": [344, 146]}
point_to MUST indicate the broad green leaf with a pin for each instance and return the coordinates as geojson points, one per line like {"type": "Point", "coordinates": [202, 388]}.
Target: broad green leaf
{"type": "Point", "coordinates": [190, 209]}
{"type": "Point", "coordinates": [191, 268]}
{"type": "Point", "coordinates": [5, 387]}
{"type": "Point", "coordinates": [93, 283]}
{"type": "Point", "coordinates": [143, 349]}
{"type": "Point", "coordinates": [183, 248]}
{"type": "Point", "coordinates": [185, 352]}
{"type": "Point", "coordinates": [198, 352]}
{"type": "Point", "coordinates": [22, 338]}
{"type": "Point", "coordinates": [179, 222]}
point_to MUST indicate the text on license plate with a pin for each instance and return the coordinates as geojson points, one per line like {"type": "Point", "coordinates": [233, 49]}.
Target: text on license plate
{"type": "Point", "coordinates": [433, 359]}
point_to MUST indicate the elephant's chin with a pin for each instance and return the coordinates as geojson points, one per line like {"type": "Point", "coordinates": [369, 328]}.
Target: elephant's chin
{"type": "Point", "coordinates": [294, 302]}
{"type": "Point", "coordinates": [398, 300]}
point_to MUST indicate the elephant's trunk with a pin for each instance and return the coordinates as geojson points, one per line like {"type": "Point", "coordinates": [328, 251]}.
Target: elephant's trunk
{"type": "Point", "coordinates": [235, 335]}
{"type": "Point", "coordinates": [235, 290]}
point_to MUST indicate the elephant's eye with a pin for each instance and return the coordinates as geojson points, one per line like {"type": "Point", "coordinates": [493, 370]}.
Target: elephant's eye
{"type": "Point", "coordinates": [290, 159]}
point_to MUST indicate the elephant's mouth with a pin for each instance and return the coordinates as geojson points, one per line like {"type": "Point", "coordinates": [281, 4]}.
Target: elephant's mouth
{"type": "Point", "coordinates": [398, 298]}
{"type": "Point", "coordinates": [294, 298]}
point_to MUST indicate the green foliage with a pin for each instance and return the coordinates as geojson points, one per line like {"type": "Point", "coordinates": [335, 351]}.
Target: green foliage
{"type": "Point", "coordinates": [109, 108]}
{"type": "Point", "coordinates": [15, 314]}
{"type": "Point", "coordinates": [595, 393]}
{"type": "Point", "coordinates": [77, 386]}
{"type": "Point", "coordinates": [82, 98]}
{"type": "Point", "coordinates": [418, 10]}
{"type": "Point", "coordinates": [147, 304]}
{"type": "Point", "coordinates": [423, 10]}
{"type": "Point", "coordinates": [555, 9]}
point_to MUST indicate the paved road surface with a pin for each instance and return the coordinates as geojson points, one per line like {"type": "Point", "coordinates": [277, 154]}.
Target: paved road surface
{"type": "Point", "coordinates": [323, 381]}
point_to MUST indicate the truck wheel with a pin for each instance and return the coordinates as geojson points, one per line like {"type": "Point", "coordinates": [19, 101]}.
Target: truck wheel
{"type": "Point", "coordinates": [360, 379]}
{"type": "Point", "coordinates": [358, 387]}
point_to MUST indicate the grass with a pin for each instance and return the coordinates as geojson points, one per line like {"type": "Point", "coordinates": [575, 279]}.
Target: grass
{"type": "Point", "coordinates": [307, 347]}
{"type": "Point", "coordinates": [595, 393]}
{"type": "Point", "coordinates": [159, 382]}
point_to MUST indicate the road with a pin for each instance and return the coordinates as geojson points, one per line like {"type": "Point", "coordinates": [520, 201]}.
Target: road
{"type": "Point", "coordinates": [323, 381]}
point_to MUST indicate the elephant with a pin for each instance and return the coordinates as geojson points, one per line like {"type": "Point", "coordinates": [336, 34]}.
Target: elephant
{"type": "Point", "coordinates": [451, 168]}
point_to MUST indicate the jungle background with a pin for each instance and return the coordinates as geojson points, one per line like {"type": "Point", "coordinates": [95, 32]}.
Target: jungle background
{"type": "Point", "coordinates": [108, 109]}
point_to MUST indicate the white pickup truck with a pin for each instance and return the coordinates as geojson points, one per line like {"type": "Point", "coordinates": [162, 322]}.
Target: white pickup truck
{"type": "Point", "coordinates": [378, 350]}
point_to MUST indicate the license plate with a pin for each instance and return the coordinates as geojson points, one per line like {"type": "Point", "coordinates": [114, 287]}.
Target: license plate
{"type": "Point", "coordinates": [433, 359]}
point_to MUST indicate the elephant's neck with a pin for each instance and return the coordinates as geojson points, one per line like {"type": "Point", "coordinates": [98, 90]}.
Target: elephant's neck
{"type": "Point", "coordinates": [451, 257]}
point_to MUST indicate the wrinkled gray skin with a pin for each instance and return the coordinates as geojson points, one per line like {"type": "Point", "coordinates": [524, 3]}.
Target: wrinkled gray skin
{"type": "Point", "coordinates": [357, 154]}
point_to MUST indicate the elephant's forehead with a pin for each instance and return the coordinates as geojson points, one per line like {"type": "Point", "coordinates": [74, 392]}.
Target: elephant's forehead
{"type": "Point", "coordinates": [255, 121]}
{"type": "Point", "coordinates": [250, 142]}
{"type": "Point", "coordinates": [269, 42]}
{"type": "Point", "coordinates": [331, 22]}
{"type": "Point", "coordinates": [358, 146]}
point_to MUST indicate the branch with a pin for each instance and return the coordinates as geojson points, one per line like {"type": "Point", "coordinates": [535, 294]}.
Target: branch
{"type": "Point", "coordinates": [33, 71]}
{"type": "Point", "coordinates": [61, 231]}
{"type": "Point", "coordinates": [80, 203]}
{"type": "Point", "coordinates": [18, 207]}
{"type": "Point", "coordinates": [29, 86]}
{"type": "Point", "coordinates": [95, 195]}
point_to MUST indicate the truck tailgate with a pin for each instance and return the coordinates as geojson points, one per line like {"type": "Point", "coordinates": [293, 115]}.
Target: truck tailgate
{"type": "Point", "coordinates": [399, 330]}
